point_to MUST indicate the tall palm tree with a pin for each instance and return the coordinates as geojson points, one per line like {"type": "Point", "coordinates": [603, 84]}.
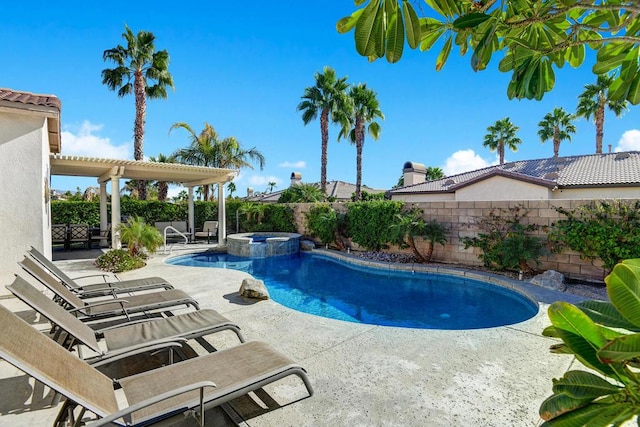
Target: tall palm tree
{"type": "Point", "coordinates": [142, 71]}
{"type": "Point", "coordinates": [208, 149]}
{"type": "Point", "coordinates": [502, 134]}
{"type": "Point", "coordinates": [163, 186]}
{"type": "Point", "coordinates": [366, 109]}
{"type": "Point", "coordinates": [231, 186]}
{"type": "Point", "coordinates": [556, 126]}
{"type": "Point", "coordinates": [594, 101]}
{"type": "Point", "coordinates": [328, 98]}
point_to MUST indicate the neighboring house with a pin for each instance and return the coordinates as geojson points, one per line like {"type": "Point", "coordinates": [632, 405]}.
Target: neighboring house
{"type": "Point", "coordinates": [29, 132]}
{"type": "Point", "coordinates": [595, 176]}
{"type": "Point", "coordinates": [338, 190]}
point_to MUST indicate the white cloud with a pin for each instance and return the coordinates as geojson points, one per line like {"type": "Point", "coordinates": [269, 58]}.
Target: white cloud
{"type": "Point", "coordinates": [258, 180]}
{"type": "Point", "coordinates": [464, 161]}
{"type": "Point", "coordinates": [84, 142]}
{"type": "Point", "coordinates": [300, 164]}
{"type": "Point", "coordinates": [630, 141]}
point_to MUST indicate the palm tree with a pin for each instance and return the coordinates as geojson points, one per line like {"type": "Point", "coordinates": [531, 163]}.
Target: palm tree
{"type": "Point", "coordinates": [208, 149]}
{"type": "Point", "coordinates": [149, 71]}
{"type": "Point", "coordinates": [327, 97]}
{"type": "Point", "coordinates": [434, 172]}
{"type": "Point", "coordinates": [366, 109]}
{"type": "Point", "coordinates": [231, 186]}
{"type": "Point", "coordinates": [163, 186]}
{"type": "Point", "coordinates": [502, 134]}
{"type": "Point", "coordinates": [270, 186]}
{"type": "Point", "coordinates": [556, 126]}
{"type": "Point", "coordinates": [594, 101]}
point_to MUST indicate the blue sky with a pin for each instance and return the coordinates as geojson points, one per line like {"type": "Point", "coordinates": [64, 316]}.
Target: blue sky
{"type": "Point", "coordinates": [242, 67]}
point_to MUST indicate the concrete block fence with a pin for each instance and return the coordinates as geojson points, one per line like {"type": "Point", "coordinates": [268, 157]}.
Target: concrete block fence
{"type": "Point", "coordinates": [462, 219]}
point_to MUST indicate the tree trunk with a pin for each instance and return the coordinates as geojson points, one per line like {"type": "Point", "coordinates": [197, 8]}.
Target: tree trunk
{"type": "Point", "coordinates": [599, 122]}
{"type": "Point", "coordinates": [138, 127]}
{"type": "Point", "coordinates": [324, 130]}
{"type": "Point", "coordinates": [359, 131]}
{"type": "Point", "coordinates": [416, 253]}
{"type": "Point", "coordinates": [429, 253]}
{"type": "Point", "coordinates": [163, 190]}
{"type": "Point", "coordinates": [501, 152]}
{"type": "Point", "coordinates": [556, 141]}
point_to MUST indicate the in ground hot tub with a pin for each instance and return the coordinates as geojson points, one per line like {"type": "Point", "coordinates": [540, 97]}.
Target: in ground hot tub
{"type": "Point", "coordinates": [263, 244]}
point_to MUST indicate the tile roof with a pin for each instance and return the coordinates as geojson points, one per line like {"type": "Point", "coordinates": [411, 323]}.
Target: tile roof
{"type": "Point", "coordinates": [30, 98]}
{"type": "Point", "coordinates": [338, 189]}
{"type": "Point", "coordinates": [595, 170]}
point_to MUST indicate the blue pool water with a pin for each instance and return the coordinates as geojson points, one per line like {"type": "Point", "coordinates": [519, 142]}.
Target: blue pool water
{"type": "Point", "coordinates": [329, 288]}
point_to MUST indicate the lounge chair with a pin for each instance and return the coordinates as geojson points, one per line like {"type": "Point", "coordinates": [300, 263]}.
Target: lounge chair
{"type": "Point", "coordinates": [189, 387]}
{"type": "Point", "coordinates": [209, 230]}
{"type": "Point", "coordinates": [106, 288]}
{"type": "Point", "coordinates": [124, 340]}
{"type": "Point", "coordinates": [95, 309]}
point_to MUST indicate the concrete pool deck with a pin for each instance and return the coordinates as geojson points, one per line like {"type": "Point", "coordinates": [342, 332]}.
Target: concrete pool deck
{"type": "Point", "coordinates": [363, 375]}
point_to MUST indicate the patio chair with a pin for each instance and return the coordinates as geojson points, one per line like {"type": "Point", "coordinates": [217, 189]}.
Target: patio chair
{"type": "Point", "coordinates": [124, 340]}
{"type": "Point", "coordinates": [96, 309]}
{"type": "Point", "coordinates": [94, 289]}
{"type": "Point", "coordinates": [209, 230]}
{"type": "Point", "coordinates": [186, 388]}
{"type": "Point", "coordinates": [79, 233]}
{"type": "Point", "coordinates": [59, 235]}
{"type": "Point", "coordinates": [100, 236]}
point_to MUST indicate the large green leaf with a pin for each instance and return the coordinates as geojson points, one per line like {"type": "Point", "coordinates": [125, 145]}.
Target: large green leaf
{"type": "Point", "coordinates": [364, 34]}
{"type": "Point", "coordinates": [583, 385]}
{"type": "Point", "coordinates": [558, 404]}
{"type": "Point", "coordinates": [412, 25]}
{"type": "Point", "coordinates": [605, 313]}
{"type": "Point", "coordinates": [575, 55]}
{"type": "Point", "coordinates": [593, 415]}
{"type": "Point", "coordinates": [633, 96]}
{"type": "Point", "coordinates": [429, 39]}
{"type": "Point", "coordinates": [395, 37]}
{"type": "Point", "coordinates": [621, 349]}
{"type": "Point", "coordinates": [347, 23]}
{"type": "Point", "coordinates": [623, 288]}
{"type": "Point", "coordinates": [444, 54]}
{"type": "Point", "coordinates": [586, 353]}
{"type": "Point", "coordinates": [470, 20]}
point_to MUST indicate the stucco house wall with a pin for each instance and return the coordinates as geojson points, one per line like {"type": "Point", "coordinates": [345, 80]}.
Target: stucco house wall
{"type": "Point", "coordinates": [27, 123]}
{"type": "Point", "coordinates": [501, 188]}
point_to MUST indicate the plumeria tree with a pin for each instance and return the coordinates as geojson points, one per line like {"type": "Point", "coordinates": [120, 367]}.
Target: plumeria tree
{"type": "Point", "coordinates": [556, 126]}
{"type": "Point", "coordinates": [594, 101]}
{"type": "Point", "coordinates": [502, 134]}
{"type": "Point", "coordinates": [140, 70]}
{"type": "Point", "coordinates": [535, 36]}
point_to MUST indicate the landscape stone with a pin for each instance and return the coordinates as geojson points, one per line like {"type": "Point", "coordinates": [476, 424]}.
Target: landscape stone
{"type": "Point", "coordinates": [254, 289]}
{"type": "Point", "coordinates": [550, 279]}
{"type": "Point", "coordinates": [307, 245]}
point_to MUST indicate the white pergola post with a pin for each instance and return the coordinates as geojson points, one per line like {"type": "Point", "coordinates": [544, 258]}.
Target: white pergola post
{"type": "Point", "coordinates": [103, 210]}
{"type": "Point", "coordinates": [191, 211]}
{"type": "Point", "coordinates": [222, 216]}
{"type": "Point", "coordinates": [114, 175]}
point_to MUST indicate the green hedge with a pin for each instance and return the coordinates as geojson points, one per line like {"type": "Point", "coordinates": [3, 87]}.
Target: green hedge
{"type": "Point", "coordinates": [370, 222]}
{"type": "Point", "coordinates": [272, 218]}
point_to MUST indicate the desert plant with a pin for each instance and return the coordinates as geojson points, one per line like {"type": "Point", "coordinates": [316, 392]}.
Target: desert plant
{"type": "Point", "coordinates": [138, 235]}
{"type": "Point", "coordinates": [118, 260]}
{"type": "Point", "coordinates": [506, 241]}
{"type": "Point", "coordinates": [410, 224]}
{"type": "Point", "coordinates": [603, 336]}
{"type": "Point", "coordinates": [327, 224]}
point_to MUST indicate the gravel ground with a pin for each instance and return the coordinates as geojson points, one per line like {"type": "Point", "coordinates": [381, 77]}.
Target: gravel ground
{"type": "Point", "coordinates": [594, 290]}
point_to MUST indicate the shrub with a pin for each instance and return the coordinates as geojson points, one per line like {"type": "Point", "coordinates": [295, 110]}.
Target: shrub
{"type": "Point", "coordinates": [507, 243]}
{"type": "Point", "coordinates": [138, 235]}
{"type": "Point", "coordinates": [327, 224]}
{"type": "Point", "coordinates": [410, 224]}
{"type": "Point", "coordinates": [369, 222]}
{"type": "Point", "coordinates": [119, 260]}
{"type": "Point", "coordinates": [609, 231]}
{"type": "Point", "coordinates": [302, 193]}
{"type": "Point", "coordinates": [603, 336]}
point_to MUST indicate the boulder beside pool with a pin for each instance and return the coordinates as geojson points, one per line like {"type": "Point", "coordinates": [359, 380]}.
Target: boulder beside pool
{"type": "Point", "coordinates": [253, 289]}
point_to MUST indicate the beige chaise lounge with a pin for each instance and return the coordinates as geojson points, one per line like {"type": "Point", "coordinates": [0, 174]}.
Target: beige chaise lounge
{"type": "Point", "coordinates": [105, 307]}
{"type": "Point", "coordinates": [105, 288]}
{"type": "Point", "coordinates": [127, 339]}
{"type": "Point", "coordinates": [189, 387]}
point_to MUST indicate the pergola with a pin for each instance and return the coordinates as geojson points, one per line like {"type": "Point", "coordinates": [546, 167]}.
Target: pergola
{"type": "Point", "coordinates": [113, 170]}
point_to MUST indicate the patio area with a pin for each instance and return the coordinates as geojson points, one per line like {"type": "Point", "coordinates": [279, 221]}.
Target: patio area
{"type": "Point", "coordinates": [363, 375]}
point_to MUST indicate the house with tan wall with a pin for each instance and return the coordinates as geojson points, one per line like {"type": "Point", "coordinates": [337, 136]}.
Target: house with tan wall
{"type": "Point", "coordinates": [30, 132]}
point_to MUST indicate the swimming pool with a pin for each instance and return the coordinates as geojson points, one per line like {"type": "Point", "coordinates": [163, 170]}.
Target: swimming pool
{"type": "Point", "coordinates": [326, 287]}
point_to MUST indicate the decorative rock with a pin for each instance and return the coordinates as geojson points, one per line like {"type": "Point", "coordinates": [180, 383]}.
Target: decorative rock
{"type": "Point", "coordinates": [254, 289]}
{"type": "Point", "coordinates": [550, 279]}
{"type": "Point", "coordinates": [307, 245]}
